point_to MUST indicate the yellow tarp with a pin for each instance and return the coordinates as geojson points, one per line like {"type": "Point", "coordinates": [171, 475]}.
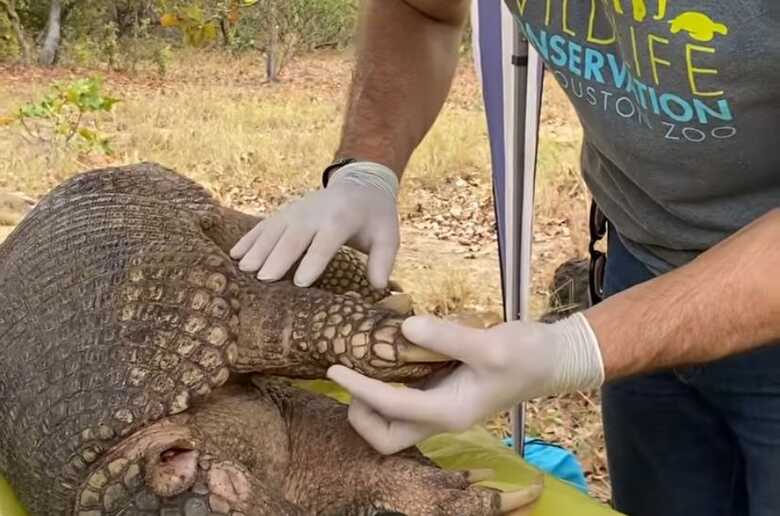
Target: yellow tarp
{"type": "Point", "coordinates": [9, 506]}
{"type": "Point", "coordinates": [476, 448]}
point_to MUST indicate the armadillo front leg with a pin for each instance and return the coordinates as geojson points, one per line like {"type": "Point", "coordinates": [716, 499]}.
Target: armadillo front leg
{"type": "Point", "coordinates": [297, 332]}
{"type": "Point", "coordinates": [346, 272]}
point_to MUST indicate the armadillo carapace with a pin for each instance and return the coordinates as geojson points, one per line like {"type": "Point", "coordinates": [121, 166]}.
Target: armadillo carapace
{"type": "Point", "coordinates": [127, 339]}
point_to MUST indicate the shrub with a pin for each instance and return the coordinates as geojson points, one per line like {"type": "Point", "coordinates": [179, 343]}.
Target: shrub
{"type": "Point", "coordinates": [63, 116]}
{"type": "Point", "coordinates": [9, 46]}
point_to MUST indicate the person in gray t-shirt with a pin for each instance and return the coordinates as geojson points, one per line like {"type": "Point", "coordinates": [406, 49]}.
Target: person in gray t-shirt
{"type": "Point", "coordinates": [679, 101]}
{"type": "Point", "coordinates": [678, 105]}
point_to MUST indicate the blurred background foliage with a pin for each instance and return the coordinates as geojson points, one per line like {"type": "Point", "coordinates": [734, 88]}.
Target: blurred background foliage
{"type": "Point", "coordinates": [125, 34]}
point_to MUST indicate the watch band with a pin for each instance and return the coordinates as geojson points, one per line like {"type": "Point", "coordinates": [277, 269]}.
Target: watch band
{"type": "Point", "coordinates": [334, 167]}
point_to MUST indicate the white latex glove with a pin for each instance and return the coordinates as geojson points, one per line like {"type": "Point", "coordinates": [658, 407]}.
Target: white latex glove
{"type": "Point", "coordinates": [501, 366]}
{"type": "Point", "coordinates": [358, 208]}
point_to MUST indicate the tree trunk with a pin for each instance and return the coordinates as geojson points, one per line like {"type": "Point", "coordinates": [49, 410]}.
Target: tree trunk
{"type": "Point", "coordinates": [9, 6]}
{"type": "Point", "coordinates": [224, 25]}
{"type": "Point", "coordinates": [51, 43]}
{"type": "Point", "coordinates": [272, 55]}
{"type": "Point", "coordinates": [272, 47]}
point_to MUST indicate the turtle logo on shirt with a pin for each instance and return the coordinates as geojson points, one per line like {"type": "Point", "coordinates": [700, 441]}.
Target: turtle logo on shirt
{"type": "Point", "coordinates": [698, 25]}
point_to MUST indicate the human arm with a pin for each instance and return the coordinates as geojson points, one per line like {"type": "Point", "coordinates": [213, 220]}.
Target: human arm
{"type": "Point", "coordinates": [408, 52]}
{"type": "Point", "coordinates": [725, 302]}
{"type": "Point", "coordinates": [407, 59]}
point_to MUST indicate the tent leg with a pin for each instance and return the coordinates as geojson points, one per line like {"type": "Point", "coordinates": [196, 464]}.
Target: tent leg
{"type": "Point", "coordinates": [520, 72]}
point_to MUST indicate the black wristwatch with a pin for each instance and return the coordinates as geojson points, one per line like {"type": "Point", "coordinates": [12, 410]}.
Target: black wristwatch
{"type": "Point", "coordinates": [334, 167]}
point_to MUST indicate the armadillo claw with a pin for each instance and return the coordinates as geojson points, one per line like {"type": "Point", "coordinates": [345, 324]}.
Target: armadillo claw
{"type": "Point", "coordinates": [411, 354]}
{"type": "Point", "coordinates": [475, 320]}
{"type": "Point", "coordinates": [474, 476]}
{"type": "Point", "coordinates": [516, 503]}
{"type": "Point", "coordinates": [394, 286]}
{"type": "Point", "coordinates": [400, 304]}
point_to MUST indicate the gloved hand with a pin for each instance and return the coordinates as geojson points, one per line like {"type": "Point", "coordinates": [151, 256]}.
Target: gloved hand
{"type": "Point", "coordinates": [358, 208]}
{"type": "Point", "coordinates": [501, 366]}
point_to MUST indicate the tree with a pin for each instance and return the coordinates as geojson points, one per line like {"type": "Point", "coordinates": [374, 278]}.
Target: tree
{"type": "Point", "coordinates": [51, 42]}
{"type": "Point", "coordinates": [123, 30]}
{"type": "Point", "coordinates": [9, 6]}
{"type": "Point", "coordinates": [129, 14]}
{"type": "Point", "coordinates": [291, 26]}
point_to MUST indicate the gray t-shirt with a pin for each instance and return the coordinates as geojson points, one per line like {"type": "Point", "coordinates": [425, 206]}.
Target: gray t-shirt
{"type": "Point", "coordinates": [680, 105]}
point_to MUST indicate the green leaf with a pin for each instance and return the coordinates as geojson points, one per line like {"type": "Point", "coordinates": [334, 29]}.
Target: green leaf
{"type": "Point", "coordinates": [194, 13]}
{"type": "Point", "coordinates": [61, 113]}
{"type": "Point", "coordinates": [88, 134]}
{"type": "Point", "coordinates": [35, 111]}
{"type": "Point", "coordinates": [109, 103]}
{"type": "Point", "coordinates": [210, 32]}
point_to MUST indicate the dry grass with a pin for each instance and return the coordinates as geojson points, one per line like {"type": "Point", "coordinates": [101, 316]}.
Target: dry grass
{"type": "Point", "coordinates": [257, 145]}
{"type": "Point", "coordinates": [230, 130]}
{"type": "Point", "coordinates": [233, 140]}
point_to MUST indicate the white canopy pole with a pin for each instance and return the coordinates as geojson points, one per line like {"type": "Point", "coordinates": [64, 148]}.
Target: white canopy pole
{"type": "Point", "coordinates": [511, 75]}
{"type": "Point", "coordinates": [527, 84]}
{"type": "Point", "coordinates": [515, 77]}
{"type": "Point", "coordinates": [515, 108]}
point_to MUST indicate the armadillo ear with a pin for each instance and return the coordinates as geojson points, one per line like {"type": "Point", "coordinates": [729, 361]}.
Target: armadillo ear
{"type": "Point", "coordinates": [172, 468]}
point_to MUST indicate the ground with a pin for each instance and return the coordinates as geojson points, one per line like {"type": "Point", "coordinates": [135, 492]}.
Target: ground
{"type": "Point", "coordinates": [257, 145]}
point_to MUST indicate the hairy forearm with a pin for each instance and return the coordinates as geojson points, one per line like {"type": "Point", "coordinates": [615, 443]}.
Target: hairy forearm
{"type": "Point", "coordinates": [408, 53]}
{"type": "Point", "coordinates": [725, 302]}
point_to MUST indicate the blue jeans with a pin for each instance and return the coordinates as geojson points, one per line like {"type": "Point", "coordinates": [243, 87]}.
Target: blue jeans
{"type": "Point", "coordinates": [693, 441]}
